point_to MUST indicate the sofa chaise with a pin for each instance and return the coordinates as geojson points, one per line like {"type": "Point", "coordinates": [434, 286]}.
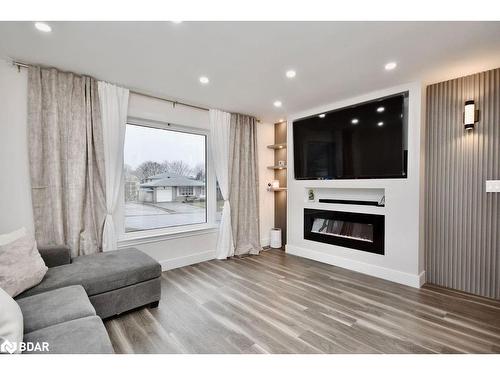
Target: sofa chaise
{"type": "Point", "coordinates": [115, 281]}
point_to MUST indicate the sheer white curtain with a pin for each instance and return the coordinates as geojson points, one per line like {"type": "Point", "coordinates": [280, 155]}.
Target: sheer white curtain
{"type": "Point", "coordinates": [219, 149]}
{"type": "Point", "coordinates": [114, 104]}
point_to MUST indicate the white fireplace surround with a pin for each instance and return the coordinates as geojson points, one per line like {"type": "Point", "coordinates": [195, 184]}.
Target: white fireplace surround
{"type": "Point", "coordinates": [403, 261]}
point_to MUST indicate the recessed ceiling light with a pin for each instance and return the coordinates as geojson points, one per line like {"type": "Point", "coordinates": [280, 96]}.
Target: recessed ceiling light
{"type": "Point", "coordinates": [42, 26]}
{"type": "Point", "coordinates": [354, 121]}
{"type": "Point", "coordinates": [204, 80]}
{"type": "Point", "coordinates": [322, 115]}
{"type": "Point", "coordinates": [380, 123]}
{"type": "Point", "coordinates": [291, 73]}
{"type": "Point", "coordinates": [277, 104]}
{"type": "Point", "coordinates": [177, 21]}
{"type": "Point", "coordinates": [380, 109]}
{"type": "Point", "coordinates": [390, 65]}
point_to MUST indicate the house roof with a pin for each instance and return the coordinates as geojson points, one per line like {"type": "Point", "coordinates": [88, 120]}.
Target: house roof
{"type": "Point", "coordinates": [172, 181]}
{"type": "Point", "coordinates": [160, 176]}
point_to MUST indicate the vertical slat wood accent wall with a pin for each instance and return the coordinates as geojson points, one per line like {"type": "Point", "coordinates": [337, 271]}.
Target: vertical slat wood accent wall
{"type": "Point", "coordinates": [462, 227]}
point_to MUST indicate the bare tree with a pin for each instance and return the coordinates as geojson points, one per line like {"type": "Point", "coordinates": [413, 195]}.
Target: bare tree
{"type": "Point", "coordinates": [148, 169]}
{"type": "Point", "coordinates": [166, 166]}
{"type": "Point", "coordinates": [178, 167]}
{"type": "Point", "coordinates": [199, 172]}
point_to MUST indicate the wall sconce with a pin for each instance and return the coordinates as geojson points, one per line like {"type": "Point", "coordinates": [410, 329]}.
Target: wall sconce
{"type": "Point", "coordinates": [471, 115]}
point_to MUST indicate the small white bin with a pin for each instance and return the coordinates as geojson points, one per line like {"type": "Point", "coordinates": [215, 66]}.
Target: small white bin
{"type": "Point", "coordinates": [276, 238]}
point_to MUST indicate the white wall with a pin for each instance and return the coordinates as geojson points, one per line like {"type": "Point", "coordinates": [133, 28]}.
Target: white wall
{"type": "Point", "coordinates": [403, 259]}
{"type": "Point", "coordinates": [15, 192]}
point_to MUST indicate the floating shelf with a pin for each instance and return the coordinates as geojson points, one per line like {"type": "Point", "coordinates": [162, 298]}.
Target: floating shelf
{"type": "Point", "coordinates": [277, 146]}
{"type": "Point", "coordinates": [276, 167]}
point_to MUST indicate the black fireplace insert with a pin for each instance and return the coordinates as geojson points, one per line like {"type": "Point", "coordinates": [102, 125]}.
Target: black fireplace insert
{"type": "Point", "coordinates": [354, 230]}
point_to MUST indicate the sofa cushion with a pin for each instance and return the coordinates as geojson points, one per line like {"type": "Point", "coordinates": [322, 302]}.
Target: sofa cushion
{"type": "Point", "coordinates": [11, 323]}
{"type": "Point", "coordinates": [21, 266]}
{"type": "Point", "coordinates": [54, 307]}
{"type": "Point", "coordinates": [56, 255]}
{"type": "Point", "coordinates": [81, 336]}
{"type": "Point", "coordinates": [102, 272]}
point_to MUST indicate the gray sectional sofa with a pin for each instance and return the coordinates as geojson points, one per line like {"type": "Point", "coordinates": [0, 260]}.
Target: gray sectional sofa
{"type": "Point", "coordinates": [66, 320]}
{"type": "Point", "coordinates": [66, 308]}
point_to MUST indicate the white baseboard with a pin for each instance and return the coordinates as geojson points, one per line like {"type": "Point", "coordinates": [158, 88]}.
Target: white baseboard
{"type": "Point", "coordinates": [265, 242]}
{"type": "Point", "coordinates": [187, 260]}
{"type": "Point", "coordinates": [421, 278]}
{"type": "Point", "coordinates": [404, 278]}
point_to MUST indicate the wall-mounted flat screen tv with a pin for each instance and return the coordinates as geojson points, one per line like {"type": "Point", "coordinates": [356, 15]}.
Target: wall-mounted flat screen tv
{"type": "Point", "coordinates": [366, 140]}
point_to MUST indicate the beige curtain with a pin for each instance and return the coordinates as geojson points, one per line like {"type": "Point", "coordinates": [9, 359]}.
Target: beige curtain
{"type": "Point", "coordinates": [243, 184]}
{"type": "Point", "coordinates": [66, 160]}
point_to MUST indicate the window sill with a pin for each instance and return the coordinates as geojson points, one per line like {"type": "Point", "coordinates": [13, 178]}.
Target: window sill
{"type": "Point", "coordinates": [155, 235]}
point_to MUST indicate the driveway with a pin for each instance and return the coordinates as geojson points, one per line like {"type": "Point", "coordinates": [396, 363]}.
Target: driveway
{"type": "Point", "coordinates": [179, 207]}
{"type": "Point", "coordinates": [140, 216]}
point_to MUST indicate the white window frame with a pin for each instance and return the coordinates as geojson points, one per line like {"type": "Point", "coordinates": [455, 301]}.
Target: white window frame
{"type": "Point", "coordinates": [159, 234]}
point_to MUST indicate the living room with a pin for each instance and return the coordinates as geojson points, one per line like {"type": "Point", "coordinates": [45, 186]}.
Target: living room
{"type": "Point", "coordinates": [210, 186]}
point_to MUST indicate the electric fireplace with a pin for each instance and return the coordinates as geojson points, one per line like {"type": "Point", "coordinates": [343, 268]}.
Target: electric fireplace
{"type": "Point", "coordinates": [354, 230]}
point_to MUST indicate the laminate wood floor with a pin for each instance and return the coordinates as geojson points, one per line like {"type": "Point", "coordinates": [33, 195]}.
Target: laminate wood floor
{"type": "Point", "coordinates": [278, 303]}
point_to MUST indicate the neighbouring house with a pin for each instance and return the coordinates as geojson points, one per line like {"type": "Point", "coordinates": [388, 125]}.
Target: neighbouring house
{"type": "Point", "coordinates": [132, 186]}
{"type": "Point", "coordinates": [168, 187]}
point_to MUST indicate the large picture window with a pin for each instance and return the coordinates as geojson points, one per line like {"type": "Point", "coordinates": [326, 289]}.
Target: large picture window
{"type": "Point", "coordinates": [165, 178]}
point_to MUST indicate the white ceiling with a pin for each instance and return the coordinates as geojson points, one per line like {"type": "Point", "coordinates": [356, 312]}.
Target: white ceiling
{"type": "Point", "coordinates": [246, 61]}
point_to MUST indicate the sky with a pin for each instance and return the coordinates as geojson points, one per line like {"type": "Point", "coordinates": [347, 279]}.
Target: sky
{"type": "Point", "coordinates": [143, 144]}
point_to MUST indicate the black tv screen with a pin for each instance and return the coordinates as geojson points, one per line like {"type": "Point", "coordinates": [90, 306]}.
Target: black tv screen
{"type": "Point", "coordinates": [366, 140]}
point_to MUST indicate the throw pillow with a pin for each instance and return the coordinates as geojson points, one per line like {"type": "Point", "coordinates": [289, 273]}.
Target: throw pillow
{"type": "Point", "coordinates": [11, 324]}
{"type": "Point", "coordinates": [21, 266]}
{"type": "Point", "coordinates": [12, 236]}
